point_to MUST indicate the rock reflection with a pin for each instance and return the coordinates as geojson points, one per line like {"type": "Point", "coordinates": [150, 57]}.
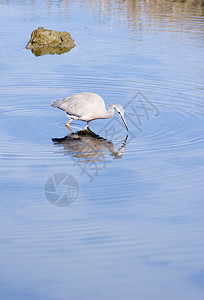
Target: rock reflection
{"type": "Point", "coordinates": [87, 146]}
{"type": "Point", "coordinates": [50, 50]}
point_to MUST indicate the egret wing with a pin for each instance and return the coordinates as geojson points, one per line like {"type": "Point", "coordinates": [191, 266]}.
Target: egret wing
{"type": "Point", "coordinates": [80, 104]}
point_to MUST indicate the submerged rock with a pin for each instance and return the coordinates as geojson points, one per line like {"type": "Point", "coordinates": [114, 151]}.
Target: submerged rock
{"type": "Point", "coordinates": [45, 41]}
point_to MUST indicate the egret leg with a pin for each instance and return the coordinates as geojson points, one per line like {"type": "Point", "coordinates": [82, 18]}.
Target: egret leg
{"type": "Point", "coordinates": [87, 125]}
{"type": "Point", "coordinates": [71, 130]}
{"type": "Point", "coordinates": [67, 124]}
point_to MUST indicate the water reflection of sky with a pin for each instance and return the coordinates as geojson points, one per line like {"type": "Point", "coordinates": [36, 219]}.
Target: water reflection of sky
{"type": "Point", "coordinates": [137, 221]}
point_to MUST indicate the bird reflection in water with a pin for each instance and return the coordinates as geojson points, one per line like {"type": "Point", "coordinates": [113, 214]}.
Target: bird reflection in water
{"type": "Point", "coordinates": [87, 146]}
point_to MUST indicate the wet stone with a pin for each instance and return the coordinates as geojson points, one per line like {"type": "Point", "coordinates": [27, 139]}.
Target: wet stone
{"type": "Point", "coordinates": [45, 41]}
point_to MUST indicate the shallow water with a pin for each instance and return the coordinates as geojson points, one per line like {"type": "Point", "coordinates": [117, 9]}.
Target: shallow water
{"type": "Point", "coordinates": [104, 215]}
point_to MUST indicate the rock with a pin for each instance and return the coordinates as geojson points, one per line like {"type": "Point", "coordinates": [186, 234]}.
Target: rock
{"type": "Point", "coordinates": [45, 41]}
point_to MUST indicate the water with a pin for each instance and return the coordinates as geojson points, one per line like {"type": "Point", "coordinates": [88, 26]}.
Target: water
{"type": "Point", "coordinates": [106, 215]}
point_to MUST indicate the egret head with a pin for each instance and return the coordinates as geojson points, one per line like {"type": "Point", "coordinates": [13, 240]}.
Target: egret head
{"type": "Point", "coordinates": [120, 111]}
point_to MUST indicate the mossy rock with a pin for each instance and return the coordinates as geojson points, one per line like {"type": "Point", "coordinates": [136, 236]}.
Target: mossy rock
{"type": "Point", "coordinates": [45, 41]}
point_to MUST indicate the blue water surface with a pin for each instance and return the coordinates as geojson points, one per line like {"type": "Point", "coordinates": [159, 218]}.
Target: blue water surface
{"type": "Point", "coordinates": [115, 217]}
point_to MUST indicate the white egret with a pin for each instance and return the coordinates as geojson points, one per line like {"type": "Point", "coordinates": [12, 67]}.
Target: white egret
{"type": "Point", "coordinates": [87, 107]}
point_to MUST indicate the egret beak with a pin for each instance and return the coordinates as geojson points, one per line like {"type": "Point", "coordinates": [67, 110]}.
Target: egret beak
{"type": "Point", "coordinates": [124, 122]}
